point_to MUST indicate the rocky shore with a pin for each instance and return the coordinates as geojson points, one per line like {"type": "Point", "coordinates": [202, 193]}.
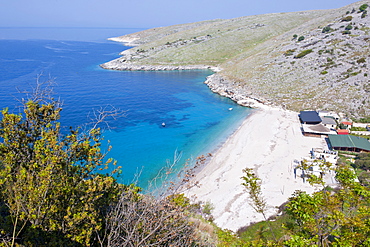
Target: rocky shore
{"type": "Point", "coordinates": [118, 65]}
{"type": "Point", "coordinates": [230, 89]}
{"type": "Point", "coordinates": [216, 82]}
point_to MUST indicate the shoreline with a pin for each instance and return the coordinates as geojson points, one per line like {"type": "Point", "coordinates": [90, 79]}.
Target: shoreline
{"type": "Point", "coordinates": [268, 140]}
{"type": "Point", "coordinates": [215, 82]}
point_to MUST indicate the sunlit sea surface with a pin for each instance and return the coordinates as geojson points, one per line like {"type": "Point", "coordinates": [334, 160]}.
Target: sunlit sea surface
{"type": "Point", "coordinates": [196, 119]}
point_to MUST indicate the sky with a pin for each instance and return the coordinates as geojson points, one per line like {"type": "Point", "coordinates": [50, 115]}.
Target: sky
{"type": "Point", "coordinates": [143, 13]}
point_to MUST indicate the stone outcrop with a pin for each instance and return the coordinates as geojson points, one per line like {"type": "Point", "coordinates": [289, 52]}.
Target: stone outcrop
{"type": "Point", "coordinates": [118, 65]}
{"type": "Point", "coordinates": [228, 88]}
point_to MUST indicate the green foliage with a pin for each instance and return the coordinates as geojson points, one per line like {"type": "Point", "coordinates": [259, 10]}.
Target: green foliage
{"type": "Point", "coordinates": [48, 180]}
{"type": "Point", "coordinates": [363, 161]}
{"type": "Point", "coordinates": [363, 7]}
{"type": "Point", "coordinates": [227, 238]}
{"type": "Point", "coordinates": [301, 38]}
{"type": "Point", "coordinates": [295, 36]}
{"type": "Point", "coordinates": [289, 52]}
{"type": "Point", "coordinates": [346, 32]}
{"type": "Point", "coordinates": [363, 120]}
{"type": "Point", "coordinates": [260, 231]}
{"type": "Point", "coordinates": [347, 18]}
{"type": "Point", "coordinates": [331, 218]}
{"type": "Point", "coordinates": [358, 129]}
{"type": "Point", "coordinates": [361, 60]}
{"type": "Point", "coordinates": [348, 27]}
{"type": "Point", "coordinates": [298, 241]}
{"type": "Point", "coordinates": [324, 72]}
{"type": "Point", "coordinates": [303, 53]}
{"type": "Point", "coordinates": [253, 185]}
{"type": "Point", "coordinates": [364, 14]}
{"type": "Point", "coordinates": [208, 208]}
{"type": "Point", "coordinates": [327, 29]}
{"type": "Point", "coordinates": [364, 178]}
{"type": "Point", "coordinates": [179, 200]}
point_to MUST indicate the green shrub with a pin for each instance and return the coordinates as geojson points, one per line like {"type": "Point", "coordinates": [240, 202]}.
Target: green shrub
{"type": "Point", "coordinates": [361, 60]}
{"type": "Point", "coordinates": [327, 29]}
{"type": "Point", "coordinates": [207, 208]}
{"type": "Point", "coordinates": [349, 27]}
{"type": "Point", "coordinates": [346, 32]}
{"type": "Point", "coordinates": [362, 120]}
{"type": "Point", "coordinates": [330, 51]}
{"type": "Point", "coordinates": [301, 38]}
{"type": "Point", "coordinates": [363, 7]}
{"type": "Point", "coordinates": [364, 14]}
{"type": "Point", "coordinates": [358, 129]}
{"type": "Point", "coordinates": [303, 53]}
{"type": "Point", "coordinates": [324, 72]}
{"type": "Point", "coordinates": [295, 36]}
{"type": "Point", "coordinates": [363, 161]}
{"type": "Point", "coordinates": [289, 52]}
{"type": "Point", "coordinates": [347, 18]}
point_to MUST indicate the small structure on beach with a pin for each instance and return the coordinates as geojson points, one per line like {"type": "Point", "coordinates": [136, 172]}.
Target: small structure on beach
{"type": "Point", "coordinates": [346, 125]}
{"type": "Point", "coordinates": [348, 143]}
{"type": "Point", "coordinates": [309, 117]}
{"type": "Point", "coordinates": [316, 130]}
{"type": "Point", "coordinates": [315, 125]}
{"type": "Point", "coordinates": [342, 132]}
{"type": "Point", "coordinates": [330, 156]}
{"type": "Point", "coordinates": [329, 114]}
{"type": "Point", "coordinates": [329, 122]}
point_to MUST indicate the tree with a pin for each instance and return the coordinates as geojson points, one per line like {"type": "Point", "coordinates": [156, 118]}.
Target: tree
{"type": "Point", "coordinates": [328, 217]}
{"type": "Point", "coordinates": [253, 185]}
{"type": "Point", "coordinates": [49, 180]}
{"type": "Point", "coordinates": [363, 161]}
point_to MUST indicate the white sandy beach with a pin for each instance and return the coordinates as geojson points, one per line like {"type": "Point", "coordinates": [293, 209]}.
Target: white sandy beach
{"type": "Point", "coordinates": [269, 141]}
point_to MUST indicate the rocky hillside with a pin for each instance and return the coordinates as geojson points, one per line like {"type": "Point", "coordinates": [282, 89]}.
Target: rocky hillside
{"type": "Point", "coordinates": [302, 60]}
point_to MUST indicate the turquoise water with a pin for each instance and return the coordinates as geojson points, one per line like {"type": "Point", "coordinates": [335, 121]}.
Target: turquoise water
{"type": "Point", "coordinates": [197, 120]}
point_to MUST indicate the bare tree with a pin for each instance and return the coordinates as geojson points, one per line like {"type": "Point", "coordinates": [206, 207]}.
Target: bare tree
{"type": "Point", "coordinates": [104, 114]}
{"type": "Point", "coordinates": [153, 218]}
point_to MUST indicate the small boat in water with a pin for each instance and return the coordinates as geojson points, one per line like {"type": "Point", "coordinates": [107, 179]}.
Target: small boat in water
{"type": "Point", "coordinates": [230, 109]}
{"type": "Point", "coordinates": [163, 124]}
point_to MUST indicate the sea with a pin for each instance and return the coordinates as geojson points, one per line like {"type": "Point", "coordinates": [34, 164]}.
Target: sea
{"type": "Point", "coordinates": [197, 121]}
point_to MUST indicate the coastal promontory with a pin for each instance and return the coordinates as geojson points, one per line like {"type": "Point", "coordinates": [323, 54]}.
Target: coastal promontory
{"type": "Point", "coordinates": [303, 60]}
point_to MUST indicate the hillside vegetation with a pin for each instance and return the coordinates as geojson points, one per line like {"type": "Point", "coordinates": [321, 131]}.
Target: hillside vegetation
{"type": "Point", "coordinates": [261, 57]}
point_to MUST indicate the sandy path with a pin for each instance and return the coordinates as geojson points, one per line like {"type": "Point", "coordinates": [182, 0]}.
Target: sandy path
{"type": "Point", "coordinates": [269, 141]}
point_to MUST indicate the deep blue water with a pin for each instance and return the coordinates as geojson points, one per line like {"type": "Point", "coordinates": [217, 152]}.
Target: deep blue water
{"type": "Point", "coordinates": [197, 120]}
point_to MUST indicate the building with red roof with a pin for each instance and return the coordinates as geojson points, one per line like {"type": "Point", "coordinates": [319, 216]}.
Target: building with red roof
{"type": "Point", "coordinates": [342, 132]}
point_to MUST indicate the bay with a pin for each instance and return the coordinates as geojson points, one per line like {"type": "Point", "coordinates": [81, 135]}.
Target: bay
{"type": "Point", "coordinates": [197, 120]}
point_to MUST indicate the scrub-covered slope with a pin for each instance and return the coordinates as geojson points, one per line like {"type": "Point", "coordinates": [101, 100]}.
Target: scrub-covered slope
{"type": "Point", "coordinates": [311, 59]}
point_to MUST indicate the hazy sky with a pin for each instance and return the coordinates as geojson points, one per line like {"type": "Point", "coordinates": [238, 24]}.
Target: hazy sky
{"type": "Point", "coordinates": [142, 13]}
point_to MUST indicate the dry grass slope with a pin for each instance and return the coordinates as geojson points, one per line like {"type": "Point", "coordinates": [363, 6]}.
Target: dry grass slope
{"type": "Point", "coordinates": [257, 56]}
